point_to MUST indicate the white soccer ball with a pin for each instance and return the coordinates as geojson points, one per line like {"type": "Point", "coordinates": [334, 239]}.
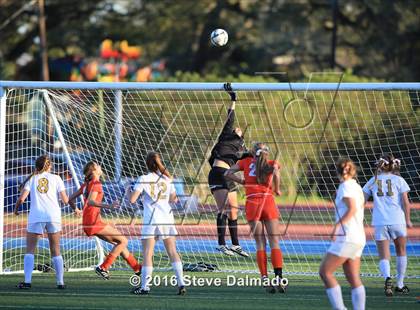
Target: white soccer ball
{"type": "Point", "coordinates": [219, 37]}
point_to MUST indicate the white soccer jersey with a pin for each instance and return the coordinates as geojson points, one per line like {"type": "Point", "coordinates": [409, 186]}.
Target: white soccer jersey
{"type": "Point", "coordinates": [353, 230]}
{"type": "Point", "coordinates": [387, 199]}
{"type": "Point", "coordinates": [44, 189]}
{"type": "Point", "coordinates": [156, 190]}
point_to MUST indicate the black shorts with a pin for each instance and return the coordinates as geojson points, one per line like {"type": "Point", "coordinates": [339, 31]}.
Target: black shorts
{"type": "Point", "coordinates": [217, 180]}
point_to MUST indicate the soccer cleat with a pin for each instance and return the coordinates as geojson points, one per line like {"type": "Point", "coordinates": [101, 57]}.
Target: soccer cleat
{"type": "Point", "coordinates": [403, 290]}
{"type": "Point", "coordinates": [101, 272]}
{"type": "Point", "coordinates": [388, 287]}
{"type": "Point", "coordinates": [61, 286]}
{"type": "Point", "coordinates": [225, 250]}
{"type": "Point", "coordinates": [283, 284]}
{"type": "Point", "coordinates": [140, 291]}
{"type": "Point", "coordinates": [138, 273]}
{"type": "Point", "coordinates": [238, 250]}
{"type": "Point", "coordinates": [24, 286]}
{"type": "Point", "coordinates": [182, 291]}
{"type": "Point", "coordinates": [269, 288]}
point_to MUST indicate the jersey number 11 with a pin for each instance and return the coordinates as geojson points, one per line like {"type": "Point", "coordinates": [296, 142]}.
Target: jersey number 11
{"type": "Point", "coordinates": [380, 193]}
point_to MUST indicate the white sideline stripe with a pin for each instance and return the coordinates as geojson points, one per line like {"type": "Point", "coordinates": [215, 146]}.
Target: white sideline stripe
{"type": "Point", "coordinates": [53, 307]}
{"type": "Point", "coordinates": [229, 271]}
{"type": "Point", "coordinates": [203, 296]}
{"type": "Point", "coordinates": [5, 273]}
{"type": "Point", "coordinates": [213, 86]}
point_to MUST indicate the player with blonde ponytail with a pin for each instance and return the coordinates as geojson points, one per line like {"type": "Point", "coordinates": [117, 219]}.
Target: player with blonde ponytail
{"type": "Point", "coordinates": [44, 215]}
{"type": "Point", "coordinates": [390, 218]}
{"type": "Point", "coordinates": [350, 239]}
{"type": "Point", "coordinates": [260, 208]}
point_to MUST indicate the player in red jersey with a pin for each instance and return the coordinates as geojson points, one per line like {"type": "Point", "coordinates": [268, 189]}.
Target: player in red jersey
{"type": "Point", "coordinates": [93, 224]}
{"type": "Point", "coordinates": [260, 208]}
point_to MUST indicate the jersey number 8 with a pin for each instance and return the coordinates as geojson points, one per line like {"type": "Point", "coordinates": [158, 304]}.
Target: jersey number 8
{"type": "Point", "coordinates": [42, 185]}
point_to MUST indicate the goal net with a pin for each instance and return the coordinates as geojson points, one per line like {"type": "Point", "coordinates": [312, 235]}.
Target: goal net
{"type": "Point", "coordinates": [307, 127]}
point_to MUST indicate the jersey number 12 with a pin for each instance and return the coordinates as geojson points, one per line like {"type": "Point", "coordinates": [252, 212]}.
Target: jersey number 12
{"type": "Point", "coordinates": [161, 187]}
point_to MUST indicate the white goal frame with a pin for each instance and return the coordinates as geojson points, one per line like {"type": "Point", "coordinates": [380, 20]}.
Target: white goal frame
{"type": "Point", "coordinates": [119, 87]}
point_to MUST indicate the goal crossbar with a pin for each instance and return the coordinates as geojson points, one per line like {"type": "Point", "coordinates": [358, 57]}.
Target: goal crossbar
{"type": "Point", "coordinates": [212, 86]}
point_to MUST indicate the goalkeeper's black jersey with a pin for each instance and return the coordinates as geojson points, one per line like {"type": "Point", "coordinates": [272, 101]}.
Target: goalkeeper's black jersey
{"type": "Point", "coordinates": [230, 147]}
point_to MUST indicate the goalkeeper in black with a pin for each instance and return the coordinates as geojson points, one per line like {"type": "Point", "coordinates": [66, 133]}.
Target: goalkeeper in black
{"type": "Point", "coordinates": [230, 147]}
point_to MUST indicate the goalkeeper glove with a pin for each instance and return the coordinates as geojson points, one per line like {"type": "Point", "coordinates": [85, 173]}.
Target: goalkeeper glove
{"type": "Point", "coordinates": [229, 90]}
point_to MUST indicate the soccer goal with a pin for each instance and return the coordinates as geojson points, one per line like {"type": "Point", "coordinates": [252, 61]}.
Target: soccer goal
{"type": "Point", "coordinates": [307, 127]}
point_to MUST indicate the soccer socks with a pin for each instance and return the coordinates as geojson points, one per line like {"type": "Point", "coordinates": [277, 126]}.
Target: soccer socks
{"type": "Point", "coordinates": [358, 298]}
{"type": "Point", "coordinates": [401, 268]}
{"type": "Point", "coordinates": [233, 230]}
{"type": "Point", "coordinates": [277, 262]}
{"type": "Point", "coordinates": [335, 297]}
{"type": "Point", "coordinates": [59, 269]}
{"type": "Point", "coordinates": [177, 267]}
{"type": "Point", "coordinates": [385, 268]}
{"type": "Point", "coordinates": [132, 262]}
{"type": "Point", "coordinates": [109, 259]}
{"type": "Point", "coordinates": [276, 258]}
{"type": "Point", "coordinates": [262, 262]}
{"type": "Point", "coordinates": [221, 228]}
{"type": "Point", "coordinates": [28, 267]}
{"type": "Point", "coordinates": [146, 274]}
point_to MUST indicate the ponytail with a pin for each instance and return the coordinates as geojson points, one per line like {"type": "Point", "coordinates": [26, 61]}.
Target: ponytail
{"type": "Point", "coordinates": [154, 164]}
{"type": "Point", "coordinates": [388, 163]}
{"type": "Point", "coordinates": [262, 168]}
{"type": "Point", "coordinates": [42, 164]}
{"type": "Point", "coordinates": [88, 171]}
{"type": "Point", "coordinates": [346, 167]}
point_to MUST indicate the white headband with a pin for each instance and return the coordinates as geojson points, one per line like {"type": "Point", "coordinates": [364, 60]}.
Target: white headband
{"type": "Point", "coordinates": [383, 160]}
{"type": "Point", "coordinates": [262, 150]}
{"type": "Point", "coordinates": [386, 162]}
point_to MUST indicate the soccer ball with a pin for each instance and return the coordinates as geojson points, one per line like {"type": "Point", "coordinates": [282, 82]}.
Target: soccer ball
{"type": "Point", "coordinates": [219, 37]}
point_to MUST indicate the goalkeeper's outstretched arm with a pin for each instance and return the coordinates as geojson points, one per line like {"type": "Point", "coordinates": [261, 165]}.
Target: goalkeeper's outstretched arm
{"type": "Point", "coordinates": [230, 121]}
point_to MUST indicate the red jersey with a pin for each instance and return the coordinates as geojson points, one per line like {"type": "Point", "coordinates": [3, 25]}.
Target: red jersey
{"type": "Point", "coordinates": [252, 188]}
{"type": "Point", "coordinates": [92, 214]}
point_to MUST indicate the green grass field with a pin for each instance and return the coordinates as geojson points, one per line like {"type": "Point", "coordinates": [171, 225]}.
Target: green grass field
{"type": "Point", "coordinates": [85, 290]}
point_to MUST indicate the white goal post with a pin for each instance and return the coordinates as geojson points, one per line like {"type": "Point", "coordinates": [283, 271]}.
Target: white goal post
{"type": "Point", "coordinates": [307, 126]}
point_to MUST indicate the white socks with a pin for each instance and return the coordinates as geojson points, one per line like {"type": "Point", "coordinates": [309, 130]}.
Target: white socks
{"type": "Point", "coordinates": [59, 269]}
{"type": "Point", "coordinates": [401, 268]}
{"type": "Point", "coordinates": [335, 297]}
{"type": "Point", "coordinates": [177, 266]}
{"type": "Point", "coordinates": [358, 298]}
{"type": "Point", "coordinates": [28, 267]}
{"type": "Point", "coordinates": [146, 274]}
{"type": "Point", "coordinates": [385, 268]}
{"type": "Point", "coordinates": [146, 277]}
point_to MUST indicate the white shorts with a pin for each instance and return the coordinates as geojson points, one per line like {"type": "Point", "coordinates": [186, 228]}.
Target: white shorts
{"type": "Point", "coordinates": [41, 227]}
{"type": "Point", "coordinates": [390, 232]}
{"type": "Point", "coordinates": [158, 231]}
{"type": "Point", "coordinates": [346, 249]}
